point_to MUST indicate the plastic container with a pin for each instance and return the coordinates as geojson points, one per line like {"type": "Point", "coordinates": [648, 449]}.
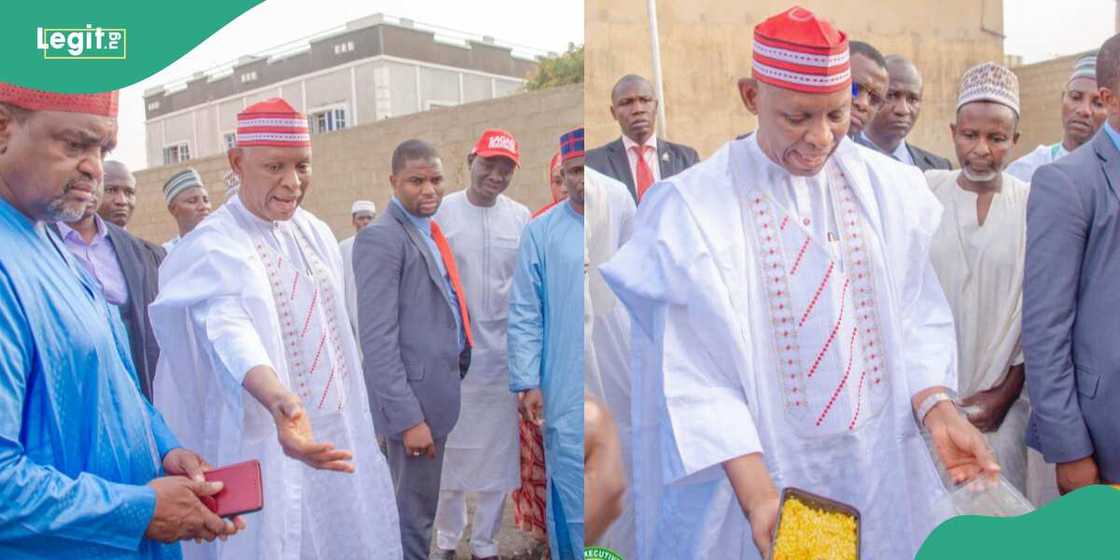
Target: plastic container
{"type": "Point", "coordinates": [818, 502]}
{"type": "Point", "coordinates": [984, 497]}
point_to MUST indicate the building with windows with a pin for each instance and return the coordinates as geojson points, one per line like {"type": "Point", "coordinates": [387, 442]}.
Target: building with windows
{"type": "Point", "coordinates": [371, 69]}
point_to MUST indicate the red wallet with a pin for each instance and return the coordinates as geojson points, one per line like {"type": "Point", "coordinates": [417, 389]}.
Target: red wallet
{"type": "Point", "coordinates": [242, 491]}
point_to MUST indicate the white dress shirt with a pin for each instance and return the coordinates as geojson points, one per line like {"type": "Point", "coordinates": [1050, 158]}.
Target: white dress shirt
{"type": "Point", "coordinates": [650, 156]}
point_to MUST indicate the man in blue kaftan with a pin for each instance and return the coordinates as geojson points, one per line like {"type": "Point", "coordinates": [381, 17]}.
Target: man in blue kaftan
{"type": "Point", "coordinates": [546, 348]}
{"type": "Point", "coordinates": [82, 452]}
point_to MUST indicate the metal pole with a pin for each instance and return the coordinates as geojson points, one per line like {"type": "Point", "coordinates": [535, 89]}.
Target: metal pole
{"type": "Point", "coordinates": [655, 46]}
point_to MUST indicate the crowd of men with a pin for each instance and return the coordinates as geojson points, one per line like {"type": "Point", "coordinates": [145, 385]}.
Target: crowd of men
{"type": "Point", "coordinates": [377, 381]}
{"type": "Point", "coordinates": [822, 304]}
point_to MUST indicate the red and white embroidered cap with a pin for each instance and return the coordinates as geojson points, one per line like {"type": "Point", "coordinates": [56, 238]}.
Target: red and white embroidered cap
{"type": "Point", "coordinates": [103, 104]}
{"type": "Point", "coordinates": [797, 50]}
{"type": "Point", "coordinates": [272, 122]}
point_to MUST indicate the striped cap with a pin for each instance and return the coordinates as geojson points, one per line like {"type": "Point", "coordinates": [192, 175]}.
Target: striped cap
{"type": "Point", "coordinates": [103, 104]}
{"type": "Point", "coordinates": [796, 50]}
{"type": "Point", "coordinates": [571, 144]}
{"type": "Point", "coordinates": [1085, 67]}
{"type": "Point", "coordinates": [272, 122]}
{"type": "Point", "coordinates": [180, 182]}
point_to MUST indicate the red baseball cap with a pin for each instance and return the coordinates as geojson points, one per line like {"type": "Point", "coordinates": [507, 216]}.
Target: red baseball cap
{"type": "Point", "coordinates": [497, 142]}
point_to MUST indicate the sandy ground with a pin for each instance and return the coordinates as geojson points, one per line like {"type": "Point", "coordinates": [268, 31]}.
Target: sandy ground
{"type": "Point", "coordinates": [512, 543]}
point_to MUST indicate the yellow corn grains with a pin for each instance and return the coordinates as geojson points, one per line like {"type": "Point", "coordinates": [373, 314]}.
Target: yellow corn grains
{"type": "Point", "coordinates": [810, 534]}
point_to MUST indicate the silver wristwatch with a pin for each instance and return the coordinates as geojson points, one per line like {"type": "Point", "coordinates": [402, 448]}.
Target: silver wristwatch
{"type": "Point", "coordinates": [929, 402]}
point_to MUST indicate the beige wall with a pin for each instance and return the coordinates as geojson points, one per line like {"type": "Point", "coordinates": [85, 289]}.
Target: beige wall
{"type": "Point", "coordinates": [1040, 101]}
{"type": "Point", "coordinates": [354, 163]}
{"type": "Point", "coordinates": [328, 89]}
{"type": "Point", "coordinates": [706, 47]}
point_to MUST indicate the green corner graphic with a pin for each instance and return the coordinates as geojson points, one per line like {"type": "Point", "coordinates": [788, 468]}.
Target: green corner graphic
{"type": "Point", "coordinates": [153, 36]}
{"type": "Point", "coordinates": [600, 553]}
{"type": "Point", "coordinates": [1079, 525]}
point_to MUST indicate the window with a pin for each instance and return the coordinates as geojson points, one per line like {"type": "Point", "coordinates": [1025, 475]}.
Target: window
{"type": "Point", "coordinates": [153, 105]}
{"type": "Point", "coordinates": [343, 48]}
{"type": "Point", "coordinates": [249, 76]}
{"type": "Point", "coordinates": [230, 140]}
{"type": "Point", "coordinates": [327, 120]}
{"type": "Point", "coordinates": [176, 153]}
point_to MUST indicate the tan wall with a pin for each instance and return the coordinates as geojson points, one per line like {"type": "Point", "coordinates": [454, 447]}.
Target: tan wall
{"type": "Point", "coordinates": [706, 48]}
{"type": "Point", "coordinates": [354, 163]}
{"type": "Point", "coordinates": [1040, 100]}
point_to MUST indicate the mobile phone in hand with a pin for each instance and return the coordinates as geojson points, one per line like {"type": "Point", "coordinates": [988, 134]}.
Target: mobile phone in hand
{"type": "Point", "coordinates": [242, 491]}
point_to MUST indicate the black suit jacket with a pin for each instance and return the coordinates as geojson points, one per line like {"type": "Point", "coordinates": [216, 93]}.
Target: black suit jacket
{"type": "Point", "coordinates": [922, 159]}
{"type": "Point", "coordinates": [139, 262]}
{"type": "Point", "coordinates": [610, 159]}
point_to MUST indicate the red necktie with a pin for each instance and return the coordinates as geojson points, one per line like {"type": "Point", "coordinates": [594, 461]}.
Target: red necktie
{"type": "Point", "coordinates": [644, 175]}
{"type": "Point", "coordinates": [453, 272]}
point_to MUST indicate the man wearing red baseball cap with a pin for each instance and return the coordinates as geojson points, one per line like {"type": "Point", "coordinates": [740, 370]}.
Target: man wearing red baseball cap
{"type": "Point", "coordinates": [253, 301]}
{"type": "Point", "coordinates": [483, 227]}
{"type": "Point", "coordinates": [84, 457]}
{"type": "Point", "coordinates": [789, 328]}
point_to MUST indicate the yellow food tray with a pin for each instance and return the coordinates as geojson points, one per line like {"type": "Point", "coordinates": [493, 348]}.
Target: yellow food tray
{"type": "Point", "coordinates": [819, 503]}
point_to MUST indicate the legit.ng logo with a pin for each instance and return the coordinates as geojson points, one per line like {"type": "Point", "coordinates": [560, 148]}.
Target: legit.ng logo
{"type": "Point", "coordinates": [88, 43]}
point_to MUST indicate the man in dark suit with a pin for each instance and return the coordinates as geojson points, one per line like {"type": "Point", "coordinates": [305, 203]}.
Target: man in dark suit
{"type": "Point", "coordinates": [638, 158]}
{"type": "Point", "coordinates": [1071, 307]}
{"type": "Point", "coordinates": [119, 201]}
{"type": "Point", "coordinates": [415, 336]}
{"type": "Point", "coordinates": [897, 116]}
{"type": "Point", "coordinates": [127, 269]}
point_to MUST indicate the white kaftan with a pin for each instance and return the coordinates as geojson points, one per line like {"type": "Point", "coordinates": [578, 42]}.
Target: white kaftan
{"type": "Point", "coordinates": [980, 268]}
{"type": "Point", "coordinates": [609, 215]}
{"type": "Point", "coordinates": [349, 285]}
{"type": "Point", "coordinates": [241, 292]}
{"type": "Point", "coordinates": [482, 450]}
{"type": "Point", "coordinates": [1024, 167]}
{"type": "Point", "coordinates": [792, 316]}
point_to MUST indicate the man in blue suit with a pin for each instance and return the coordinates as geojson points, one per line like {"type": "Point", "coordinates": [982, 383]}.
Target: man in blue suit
{"type": "Point", "coordinates": [1071, 305]}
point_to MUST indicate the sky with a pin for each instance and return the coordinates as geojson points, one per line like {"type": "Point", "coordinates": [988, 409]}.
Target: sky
{"type": "Point", "coordinates": [540, 26]}
{"type": "Point", "coordinates": [1039, 30]}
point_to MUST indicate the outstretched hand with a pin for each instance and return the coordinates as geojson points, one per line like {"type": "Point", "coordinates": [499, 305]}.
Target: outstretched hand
{"type": "Point", "coordinates": [293, 429]}
{"type": "Point", "coordinates": [961, 447]}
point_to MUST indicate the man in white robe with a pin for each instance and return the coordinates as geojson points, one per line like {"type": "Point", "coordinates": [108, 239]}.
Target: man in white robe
{"type": "Point", "coordinates": [788, 327]}
{"type": "Point", "coordinates": [609, 222]}
{"type": "Point", "coordinates": [362, 213]}
{"type": "Point", "coordinates": [483, 227]}
{"type": "Point", "coordinates": [978, 253]}
{"type": "Point", "coordinates": [1083, 113]}
{"type": "Point", "coordinates": [260, 364]}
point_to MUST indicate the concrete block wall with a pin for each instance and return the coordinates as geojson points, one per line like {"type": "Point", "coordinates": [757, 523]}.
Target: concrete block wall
{"type": "Point", "coordinates": [1040, 101]}
{"type": "Point", "coordinates": [355, 163]}
{"type": "Point", "coordinates": [706, 48]}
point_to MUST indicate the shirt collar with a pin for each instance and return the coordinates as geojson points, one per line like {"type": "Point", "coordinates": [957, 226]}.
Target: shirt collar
{"type": "Point", "coordinates": [1058, 150]}
{"type": "Point", "coordinates": [67, 232]}
{"type": "Point", "coordinates": [239, 206]}
{"type": "Point", "coordinates": [902, 153]}
{"type": "Point", "coordinates": [630, 144]}
{"type": "Point", "coordinates": [424, 225]}
{"type": "Point", "coordinates": [1115, 136]}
